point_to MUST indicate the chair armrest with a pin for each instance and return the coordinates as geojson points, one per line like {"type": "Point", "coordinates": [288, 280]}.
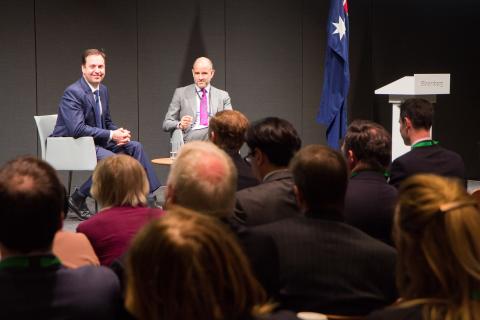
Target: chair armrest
{"type": "Point", "coordinates": [67, 153]}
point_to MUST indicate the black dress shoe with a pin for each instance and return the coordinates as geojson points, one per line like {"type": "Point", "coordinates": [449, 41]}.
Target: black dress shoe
{"type": "Point", "coordinates": [79, 207]}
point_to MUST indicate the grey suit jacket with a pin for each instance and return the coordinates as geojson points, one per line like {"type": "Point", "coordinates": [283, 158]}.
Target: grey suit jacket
{"type": "Point", "coordinates": [184, 103]}
{"type": "Point", "coordinates": [270, 201]}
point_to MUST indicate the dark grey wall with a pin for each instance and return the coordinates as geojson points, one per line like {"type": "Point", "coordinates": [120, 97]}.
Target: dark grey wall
{"type": "Point", "coordinates": [268, 54]}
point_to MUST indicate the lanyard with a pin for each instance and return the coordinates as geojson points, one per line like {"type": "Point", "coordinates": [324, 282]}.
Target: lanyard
{"type": "Point", "coordinates": [356, 173]}
{"type": "Point", "coordinates": [425, 143]}
{"type": "Point", "coordinates": [27, 262]}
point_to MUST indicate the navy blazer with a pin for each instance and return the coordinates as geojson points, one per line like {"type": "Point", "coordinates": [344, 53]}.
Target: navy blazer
{"type": "Point", "coordinates": [431, 159]}
{"type": "Point", "coordinates": [76, 114]}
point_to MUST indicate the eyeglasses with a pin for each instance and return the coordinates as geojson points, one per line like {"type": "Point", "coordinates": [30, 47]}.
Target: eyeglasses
{"type": "Point", "coordinates": [248, 158]}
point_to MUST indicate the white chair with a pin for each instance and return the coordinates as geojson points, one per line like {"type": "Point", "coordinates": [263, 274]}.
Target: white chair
{"type": "Point", "coordinates": [65, 153]}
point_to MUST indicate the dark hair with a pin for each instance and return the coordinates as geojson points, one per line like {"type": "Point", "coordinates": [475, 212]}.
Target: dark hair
{"type": "Point", "coordinates": [31, 204]}
{"type": "Point", "coordinates": [419, 111]}
{"type": "Point", "coordinates": [370, 143]}
{"type": "Point", "coordinates": [275, 137]}
{"type": "Point", "coordinates": [229, 127]}
{"type": "Point", "coordinates": [93, 52]}
{"type": "Point", "coordinates": [199, 271]}
{"type": "Point", "coordinates": [321, 175]}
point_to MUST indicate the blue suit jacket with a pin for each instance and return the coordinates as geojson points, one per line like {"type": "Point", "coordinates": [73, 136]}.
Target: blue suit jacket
{"type": "Point", "coordinates": [76, 114]}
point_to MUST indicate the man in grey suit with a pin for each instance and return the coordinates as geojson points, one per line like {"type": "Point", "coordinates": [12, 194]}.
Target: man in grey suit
{"type": "Point", "coordinates": [186, 110]}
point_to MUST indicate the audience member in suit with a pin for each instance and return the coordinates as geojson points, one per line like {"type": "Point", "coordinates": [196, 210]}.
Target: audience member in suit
{"type": "Point", "coordinates": [84, 111]}
{"type": "Point", "coordinates": [200, 273]}
{"type": "Point", "coordinates": [203, 178]}
{"type": "Point", "coordinates": [227, 130]}
{"type": "Point", "coordinates": [184, 111]}
{"type": "Point", "coordinates": [437, 234]}
{"type": "Point", "coordinates": [120, 185]}
{"type": "Point", "coordinates": [272, 143]}
{"type": "Point", "coordinates": [370, 200]}
{"type": "Point", "coordinates": [426, 156]}
{"type": "Point", "coordinates": [326, 265]}
{"type": "Point", "coordinates": [33, 282]}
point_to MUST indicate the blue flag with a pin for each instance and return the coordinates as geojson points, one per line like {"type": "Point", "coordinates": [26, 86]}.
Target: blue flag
{"type": "Point", "coordinates": [336, 79]}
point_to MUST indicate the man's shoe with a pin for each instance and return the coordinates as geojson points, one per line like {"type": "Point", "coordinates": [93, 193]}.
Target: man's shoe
{"type": "Point", "coordinates": [78, 205]}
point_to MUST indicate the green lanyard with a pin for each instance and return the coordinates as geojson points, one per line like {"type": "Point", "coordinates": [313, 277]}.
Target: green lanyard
{"type": "Point", "coordinates": [425, 143]}
{"type": "Point", "coordinates": [26, 262]}
{"type": "Point", "coordinates": [356, 173]}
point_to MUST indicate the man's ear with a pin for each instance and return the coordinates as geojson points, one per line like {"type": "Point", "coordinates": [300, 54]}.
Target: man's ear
{"type": "Point", "coordinates": [407, 122]}
{"type": "Point", "coordinates": [212, 136]}
{"type": "Point", "coordinates": [351, 159]}
{"type": "Point", "coordinates": [169, 196]}
{"type": "Point", "coordinates": [299, 197]}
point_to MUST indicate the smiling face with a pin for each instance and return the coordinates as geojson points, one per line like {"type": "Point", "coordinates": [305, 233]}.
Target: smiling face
{"type": "Point", "coordinates": [94, 69]}
{"type": "Point", "coordinates": [202, 72]}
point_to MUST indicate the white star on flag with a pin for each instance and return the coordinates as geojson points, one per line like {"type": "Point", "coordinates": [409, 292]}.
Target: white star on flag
{"type": "Point", "coordinates": [340, 27]}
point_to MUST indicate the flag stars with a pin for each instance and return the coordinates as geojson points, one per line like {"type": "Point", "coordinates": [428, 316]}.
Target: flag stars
{"type": "Point", "coordinates": [340, 27]}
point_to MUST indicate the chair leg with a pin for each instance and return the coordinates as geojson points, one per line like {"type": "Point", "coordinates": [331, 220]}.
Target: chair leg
{"type": "Point", "coordinates": [69, 182]}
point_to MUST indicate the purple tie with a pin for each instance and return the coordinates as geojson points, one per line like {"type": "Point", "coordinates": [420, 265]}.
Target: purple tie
{"type": "Point", "coordinates": [204, 109]}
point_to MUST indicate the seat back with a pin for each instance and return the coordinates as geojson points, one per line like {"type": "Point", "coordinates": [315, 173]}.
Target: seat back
{"type": "Point", "coordinates": [45, 126]}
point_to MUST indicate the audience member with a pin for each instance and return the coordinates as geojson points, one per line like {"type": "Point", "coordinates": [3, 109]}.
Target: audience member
{"type": "Point", "coordinates": [227, 130]}
{"type": "Point", "coordinates": [203, 178]}
{"type": "Point", "coordinates": [326, 265]}
{"type": "Point", "coordinates": [426, 156]}
{"type": "Point", "coordinates": [193, 105]}
{"type": "Point", "coordinates": [272, 143]}
{"type": "Point", "coordinates": [370, 200]}
{"type": "Point", "coordinates": [33, 283]}
{"type": "Point", "coordinates": [437, 233]}
{"type": "Point", "coordinates": [121, 187]}
{"type": "Point", "coordinates": [200, 272]}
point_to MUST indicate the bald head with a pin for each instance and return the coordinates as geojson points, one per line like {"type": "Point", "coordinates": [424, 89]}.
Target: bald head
{"type": "Point", "coordinates": [203, 62]}
{"type": "Point", "coordinates": [202, 72]}
{"type": "Point", "coordinates": [203, 178]}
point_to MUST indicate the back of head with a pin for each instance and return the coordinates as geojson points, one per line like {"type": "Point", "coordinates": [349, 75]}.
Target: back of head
{"type": "Point", "coordinates": [437, 234]}
{"type": "Point", "coordinates": [228, 127]}
{"type": "Point", "coordinates": [370, 143]}
{"type": "Point", "coordinates": [419, 111]}
{"type": "Point", "coordinates": [200, 272]}
{"type": "Point", "coordinates": [203, 178]}
{"type": "Point", "coordinates": [275, 137]}
{"type": "Point", "coordinates": [321, 175]}
{"type": "Point", "coordinates": [31, 204]}
{"type": "Point", "coordinates": [120, 180]}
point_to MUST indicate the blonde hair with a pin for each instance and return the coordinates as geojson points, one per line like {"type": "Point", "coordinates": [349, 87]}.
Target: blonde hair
{"type": "Point", "coordinates": [437, 234]}
{"type": "Point", "coordinates": [120, 180]}
{"type": "Point", "coordinates": [203, 178]}
{"type": "Point", "coordinates": [189, 266]}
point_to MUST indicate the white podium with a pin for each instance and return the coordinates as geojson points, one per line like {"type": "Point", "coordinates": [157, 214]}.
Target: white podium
{"type": "Point", "coordinates": [425, 86]}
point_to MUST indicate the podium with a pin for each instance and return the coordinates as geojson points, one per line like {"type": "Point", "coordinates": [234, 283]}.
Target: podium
{"type": "Point", "coordinates": [425, 86]}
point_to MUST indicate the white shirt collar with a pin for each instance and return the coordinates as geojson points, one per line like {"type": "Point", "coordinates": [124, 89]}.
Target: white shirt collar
{"type": "Point", "coordinates": [92, 87]}
{"type": "Point", "coordinates": [207, 88]}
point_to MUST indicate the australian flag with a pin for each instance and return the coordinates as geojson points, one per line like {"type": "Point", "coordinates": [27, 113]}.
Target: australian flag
{"type": "Point", "coordinates": [336, 79]}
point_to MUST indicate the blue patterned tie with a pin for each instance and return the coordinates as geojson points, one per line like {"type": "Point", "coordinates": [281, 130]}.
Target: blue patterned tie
{"type": "Point", "coordinates": [98, 114]}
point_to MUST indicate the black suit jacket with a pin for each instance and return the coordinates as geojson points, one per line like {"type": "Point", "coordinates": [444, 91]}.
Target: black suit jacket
{"type": "Point", "coordinates": [396, 313]}
{"type": "Point", "coordinates": [55, 292]}
{"type": "Point", "coordinates": [370, 203]}
{"type": "Point", "coordinates": [330, 267]}
{"type": "Point", "coordinates": [431, 159]}
{"type": "Point", "coordinates": [270, 201]}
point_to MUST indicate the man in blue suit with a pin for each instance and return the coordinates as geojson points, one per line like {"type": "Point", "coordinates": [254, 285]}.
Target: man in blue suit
{"type": "Point", "coordinates": [84, 111]}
